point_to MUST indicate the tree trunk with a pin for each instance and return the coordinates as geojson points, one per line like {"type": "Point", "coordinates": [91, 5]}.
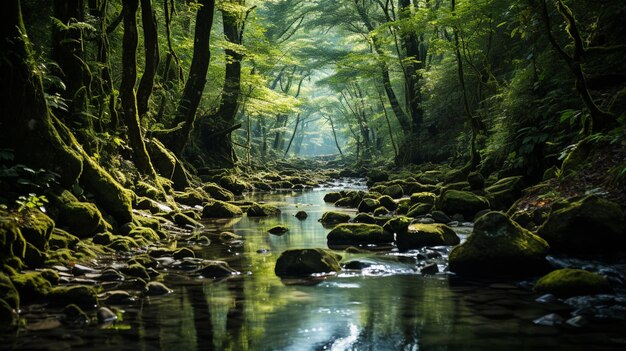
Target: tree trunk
{"type": "Point", "coordinates": [332, 127]}
{"type": "Point", "coordinates": [190, 100]}
{"type": "Point", "coordinates": [151, 47]}
{"type": "Point", "coordinates": [127, 89]}
{"type": "Point", "coordinates": [295, 130]}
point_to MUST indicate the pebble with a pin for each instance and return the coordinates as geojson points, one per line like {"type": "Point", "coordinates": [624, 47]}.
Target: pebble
{"type": "Point", "coordinates": [547, 298]}
{"type": "Point", "coordinates": [430, 268]}
{"type": "Point", "coordinates": [109, 275]}
{"type": "Point", "coordinates": [156, 288]}
{"type": "Point", "coordinates": [105, 315]}
{"type": "Point", "coordinates": [577, 322]}
{"type": "Point", "coordinates": [549, 320]}
{"type": "Point", "coordinates": [119, 297]}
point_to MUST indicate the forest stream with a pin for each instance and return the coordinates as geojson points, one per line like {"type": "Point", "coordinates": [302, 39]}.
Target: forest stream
{"type": "Point", "coordinates": [383, 299]}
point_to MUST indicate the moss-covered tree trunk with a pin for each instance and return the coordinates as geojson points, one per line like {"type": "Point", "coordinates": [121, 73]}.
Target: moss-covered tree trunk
{"type": "Point", "coordinates": [151, 47]}
{"type": "Point", "coordinates": [127, 89]}
{"type": "Point", "coordinates": [186, 112]}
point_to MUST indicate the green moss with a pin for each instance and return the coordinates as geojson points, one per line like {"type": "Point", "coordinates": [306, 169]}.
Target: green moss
{"type": "Point", "coordinates": [220, 209]}
{"type": "Point", "coordinates": [183, 253]}
{"type": "Point", "coordinates": [333, 217]}
{"type": "Point", "coordinates": [394, 191]}
{"type": "Point", "coordinates": [183, 220]}
{"type": "Point", "coordinates": [12, 243]}
{"type": "Point", "coordinates": [572, 282]}
{"type": "Point", "coordinates": [144, 260]}
{"type": "Point", "coordinates": [233, 184]}
{"type": "Point", "coordinates": [32, 286]}
{"type": "Point", "coordinates": [503, 193]}
{"type": "Point", "coordinates": [358, 233]}
{"type": "Point", "coordinates": [257, 210]}
{"type": "Point", "coordinates": [304, 262]}
{"type": "Point", "coordinates": [419, 210]}
{"type": "Point", "coordinates": [8, 292]}
{"type": "Point", "coordinates": [83, 219]}
{"type": "Point", "coordinates": [50, 275]}
{"type": "Point", "coordinates": [388, 202]}
{"type": "Point", "coordinates": [136, 270]}
{"type": "Point", "coordinates": [144, 233]}
{"type": "Point", "coordinates": [463, 202]}
{"type": "Point", "coordinates": [403, 206]}
{"type": "Point", "coordinates": [60, 239]}
{"type": "Point", "coordinates": [60, 256]}
{"type": "Point", "coordinates": [82, 296]}
{"type": "Point", "coordinates": [380, 211]}
{"type": "Point", "coordinates": [103, 238]}
{"type": "Point", "coordinates": [149, 222]}
{"type": "Point", "coordinates": [420, 235]}
{"type": "Point", "coordinates": [191, 197]}
{"type": "Point", "coordinates": [166, 164]}
{"type": "Point", "coordinates": [423, 198]}
{"type": "Point", "coordinates": [397, 224]}
{"type": "Point", "coordinates": [368, 205]}
{"type": "Point", "coordinates": [217, 192]}
{"type": "Point", "coordinates": [584, 225]}
{"type": "Point", "coordinates": [499, 247]}
{"type": "Point", "coordinates": [123, 243]}
{"type": "Point", "coordinates": [36, 227]}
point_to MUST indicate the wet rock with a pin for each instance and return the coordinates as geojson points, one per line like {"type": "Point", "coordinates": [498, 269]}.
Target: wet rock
{"type": "Point", "coordinates": [278, 230]}
{"type": "Point", "coordinates": [356, 265]}
{"type": "Point", "coordinates": [461, 202]}
{"type": "Point", "coordinates": [191, 197]}
{"type": "Point", "coordinates": [577, 321]}
{"type": "Point", "coordinates": [75, 315]}
{"type": "Point", "coordinates": [398, 224]}
{"type": "Point", "coordinates": [333, 217]}
{"type": "Point", "coordinates": [8, 292]}
{"type": "Point", "coordinates": [110, 275]}
{"type": "Point", "coordinates": [105, 315]}
{"type": "Point", "coordinates": [304, 262]}
{"type": "Point", "coordinates": [350, 199]}
{"type": "Point", "coordinates": [31, 286]}
{"type": "Point", "coordinates": [118, 297]}
{"type": "Point", "coordinates": [421, 235]}
{"type": "Point", "coordinates": [33, 257]}
{"type": "Point", "coordinates": [380, 211]}
{"type": "Point", "coordinates": [546, 298]}
{"type": "Point", "coordinates": [233, 184]}
{"type": "Point", "coordinates": [36, 228]}
{"type": "Point", "coordinates": [550, 320]}
{"type": "Point", "coordinates": [183, 220]}
{"type": "Point", "coordinates": [424, 220]}
{"type": "Point", "coordinates": [387, 202]}
{"type": "Point", "coordinates": [144, 260]}
{"type": "Point", "coordinates": [376, 175]}
{"type": "Point", "coordinates": [476, 180]}
{"type": "Point", "coordinates": [217, 192]}
{"type": "Point", "coordinates": [82, 219]}
{"type": "Point", "coordinates": [368, 218]}
{"type": "Point", "coordinates": [82, 296]}
{"type": "Point", "coordinates": [103, 238]}
{"type": "Point", "coordinates": [498, 246]}
{"type": "Point", "coordinates": [423, 198]}
{"type": "Point", "coordinates": [160, 252]}
{"type": "Point", "coordinates": [156, 289]}
{"type": "Point", "coordinates": [440, 217]}
{"type": "Point", "coordinates": [257, 210]}
{"type": "Point", "coordinates": [368, 205]}
{"type": "Point", "coordinates": [228, 236]}
{"type": "Point", "coordinates": [503, 193]}
{"type": "Point", "coordinates": [136, 270]}
{"type": "Point", "coordinates": [183, 253]}
{"type": "Point", "coordinates": [572, 282]}
{"type": "Point", "coordinates": [332, 197]}
{"type": "Point", "coordinates": [358, 233]}
{"type": "Point", "coordinates": [419, 210]}
{"type": "Point", "coordinates": [216, 269]}
{"type": "Point", "coordinates": [430, 269]}
{"type": "Point", "coordinates": [79, 269]}
{"type": "Point", "coordinates": [301, 215]}
{"type": "Point", "coordinates": [583, 225]}
{"type": "Point", "coordinates": [394, 191]}
{"type": "Point", "coordinates": [220, 209]}
{"type": "Point", "coordinates": [60, 239]}
{"type": "Point", "coordinates": [123, 244]}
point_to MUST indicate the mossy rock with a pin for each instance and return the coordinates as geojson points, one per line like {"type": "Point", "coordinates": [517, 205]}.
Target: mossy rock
{"type": "Point", "coordinates": [12, 242]}
{"type": "Point", "coordinates": [144, 260]}
{"type": "Point", "coordinates": [148, 190]}
{"type": "Point", "coordinates": [36, 228]}
{"type": "Point", "coordinates": [419, 210]}
{"type": "Point", "coordinates": [358, 233]}
{"type": "Point", "coordinates": [31, 286]}
{"type": "Point", "coordinates": [60, 239]}
{"type": "Point", "coordinates": [431, 177]}
{"type": "Point", "coordinates": [217, 192]}
{"type": "Point", "coordinates": [387, 202]}
{"type": "Point", "coordinates": [403, 206]}
{"type": "Point", "coordinates": [305, 262]}
{"type": "Point", "coordinates": [233, 184]}
{"type": "Point", "coordinates": [82, 296]}
{"type": "Point", "coordinates": [191, 197]}
{"type": "Point", "coordinates": [462, 202]}
{"type": "Point", "coordinates": [334, 217]}
{"type": "Point", "coordinates": [377, 175]}
{"type": "Point", "coordinates": [182, 220]}
{"type": "Point", "coordinates": [136, 270]}
{"type": "Point", "coordinates": [476, 180]}
{"type": "Point", "coordinates": [166, 164]}
{"type": "Point", "coordinates": [8, 317]}
{"type": "Point", "coordinates": [394, 191]}
{"type": "Point", "coordinates": [499, 247]}
{"type": "Point", "coordinates": [149, 222]}
{"type": "Point", "coordinates": [33, 257]}
{"type": "Point", "coordinates": [369, 219]}
{"type": "Point", "coordinates": [503, 193]}
{"type": "Point", "coordinates": [421, 235]}
{"type": "Point", "coordinates": [398, 224]}
{"type": "Point", "coordinates": [221, 209]}
{"type": "Point", "coordinates": [583, 225]}
{"type": "Point", "coordinates": [257, 210]}
{"type": "Point", "coordinates": [380, 211]}
{"type": "Point", "coordinates": [423, 198]}
{"type": "Point", "coordinates": [144, 233]}
{"type": "Point", "coordinates": [8, 292]}
{"type": "Point", "coordinates": [368, 205]}
{"type": "Point", "coordinates": [278, 230]}
{"type": "Point", "coordinates": [103, 238]}
{"type": "Point", "coordinates": [82, 219]}
{"type": "Point", "coordinates": [216, 269]}
{"type": "Point", "coordinates": [569, 282]}
{"type": "Point", "coordinates": [463, 185]}
{"type": "Point", "coordinates": [184, 252]}
{"type": "Point", "coordinates": [123, 244]}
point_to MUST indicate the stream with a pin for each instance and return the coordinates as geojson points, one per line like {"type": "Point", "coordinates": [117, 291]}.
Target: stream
{"type": "Point", "coordinates": [387, 305]}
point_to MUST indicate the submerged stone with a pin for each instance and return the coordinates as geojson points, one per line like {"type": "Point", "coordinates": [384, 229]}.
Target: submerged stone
{"type": "Point", "coordinates": [304, 262]}
{"type": "Point", "coordinates": [278, 230]}
{"type": "Point", "coordinates": [105, 315]}
{"type": "Point", "coordinates": [498, 246]}
{"type": "Point", "coordinates": [216, 269]}
{"type": "Point", "coordinates": [569, 282]}
{"type": "Point", "coordinates": [257, 210]}
{"type": "Point", "coordinates": [301, 215]}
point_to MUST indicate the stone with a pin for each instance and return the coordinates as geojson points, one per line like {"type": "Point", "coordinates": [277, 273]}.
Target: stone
{"type": "Point", "coordinates": [476, 180]}
{"type": "Point", "coordinates": [278, 230]}
{"type": "Point", "coordinates": [421, 235]}
{"type": "Point", "coordinates": [387, 202]}
{"type": "Point", "coordinates": [462, 202]}
{"type": "Point", "coordinates": [498, 246]}
{"type": "Point", "coordinates": [358, 233]}
{"type": "Point", "coordinates": [304, 262]}
{"type": "Point", "coordinates": [183, 253]}
{"type": "Point", "coordinates": [82, 296]}
{"type": "Point", "coordinates": [31, 286]}
{"type": "Point", "coordinates": [430, 269]}
{"type": "Point", "coordinates": [377, 175]}
{"type": "Point", "coordinates": [233, 184]}
{"type": "Point", "coordinates": [8, 317]}
{"type": "Point", "coordinates": [216, 269]}
{"type": "Point", "coordinates": [368, 205]}
{"type": "Point", "coordinates": [334, 217]}
{"type": "Point", "coordinates": [221, 209]}
{"type": "Point", "coordinates": [419, 210]}
{"type": "Point", "coordinates": [380, 211]}
{"type": "Point", "coordinates": [105, 315]}
{"type": "Point", "coordinates": [440, 217]}
{"type": "Point", "coordinates": [583, 225]}
{"type": "Point", "coordinates": [549, 320]}
{"type": "Point", "coordinates": [301, 215]}
{"type": "Point", "coordinates": [423, 198]}
{"type": "Point", "coordinates": [257, 210]}
{"type": "Point", "coordinates": [503, 193]}
{"type": "Point", "coordinates": [136, 270]}
{"type": "Point", "coordinates": [398, 224]}
{"type": "Point", "coordinates": [332, 197]}
{"type": "Point", "coordinates": [370, 219]}
{"type": "Point", "coordinates": [36, 228]}
{"type": "Point", "coordinates": [217, 192]}
{"type": "Point", "coordinates": [75, 315]}
{"type": "Point", "coordinates": [191, 197]}
{"type": "Point", "coordinates": [394, 191]}
{"type": "Point", "coordinates": [60, 239]}
{"type": "Point", "coordinates": [156, 289]}
{"type": "Point", "coordinates": [568, 282]}
{"type": "Point", "coordinates": [82, 219]}
{"type": "Point", "coordinates": [8, 292]}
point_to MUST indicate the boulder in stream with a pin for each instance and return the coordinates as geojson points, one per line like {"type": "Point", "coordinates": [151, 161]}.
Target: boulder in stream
{"type": "Point", "coordinates": [358, 233]}
{"type": "Point", "coordinates": [334, 217]}
{"type": "Point", "coordinates": [304, 262]}
{"type": "Point", "coordinates": [499, 247]}
{"type": "Point", "coordinates": [462, 202]}
{"type": "Point", "coordinates": [569, 282]}
{"type": "Point", "coordinates": [221, 209]}
{"type": "Point", "coordinates": [421, 235]}
{"type": "Point", "coordinates": [257, 210]}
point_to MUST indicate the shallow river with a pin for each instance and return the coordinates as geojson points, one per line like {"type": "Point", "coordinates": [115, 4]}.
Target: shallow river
{"type": "Point", "coordinates": [387, 306]}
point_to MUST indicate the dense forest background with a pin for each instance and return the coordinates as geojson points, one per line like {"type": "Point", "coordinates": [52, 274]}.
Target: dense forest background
{"type": "Point", "coordinates": [495, 85]}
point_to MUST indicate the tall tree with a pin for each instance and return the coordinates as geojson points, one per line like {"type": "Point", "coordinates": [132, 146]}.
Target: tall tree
{"type": "Point", "coordinates": [151, 47]}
